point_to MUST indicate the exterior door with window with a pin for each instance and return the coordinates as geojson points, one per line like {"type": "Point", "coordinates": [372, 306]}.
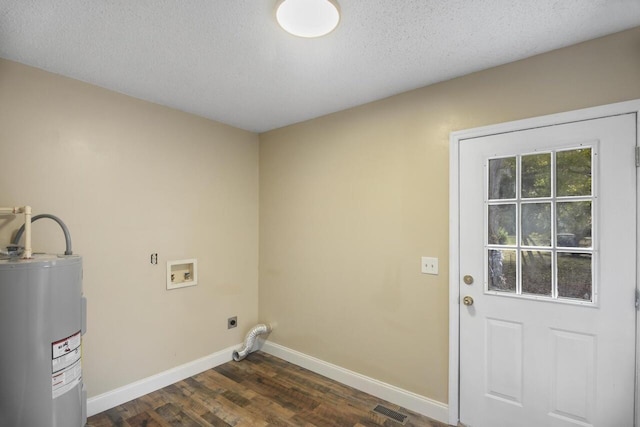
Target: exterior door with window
{"type": "Point", "coordinates": [548, 257]}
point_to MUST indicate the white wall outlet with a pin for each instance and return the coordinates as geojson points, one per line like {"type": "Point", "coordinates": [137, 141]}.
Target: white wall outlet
{"type": "Point", "coordinates": [429, 265]}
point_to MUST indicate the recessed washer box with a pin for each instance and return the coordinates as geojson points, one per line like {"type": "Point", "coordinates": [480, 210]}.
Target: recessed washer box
{"type": "Point", "coordinates": [182, 273]}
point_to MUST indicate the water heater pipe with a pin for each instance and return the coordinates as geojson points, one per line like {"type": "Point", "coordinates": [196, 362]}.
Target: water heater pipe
{"type": "Point", "coordinates": [249, 340]}
{"type": "Point", "coordinates": [26, 210]}
{"type": "Point", "coordinates": [27, 233]}
{"type": "Point", "coordinates": [65, 230]}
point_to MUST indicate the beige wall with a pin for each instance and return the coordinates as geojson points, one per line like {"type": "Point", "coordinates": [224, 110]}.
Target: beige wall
{"type": "Point", "coordinates": [131, 178]}
{"type": "Point", "coordinates": [351, 201]}
{"type": "Point", "coordinates": [348, 204]}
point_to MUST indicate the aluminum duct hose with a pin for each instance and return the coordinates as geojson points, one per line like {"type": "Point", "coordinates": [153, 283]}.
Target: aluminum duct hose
{"type": "Point", "coordinates": [249, 340]}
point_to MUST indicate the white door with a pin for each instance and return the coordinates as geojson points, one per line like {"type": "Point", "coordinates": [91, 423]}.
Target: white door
{"type": "Point", "coordinates": [548, 245]}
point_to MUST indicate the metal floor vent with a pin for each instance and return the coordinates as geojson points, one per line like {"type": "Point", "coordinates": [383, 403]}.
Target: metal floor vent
{"type": "Point", "coordinates": [390, 413]}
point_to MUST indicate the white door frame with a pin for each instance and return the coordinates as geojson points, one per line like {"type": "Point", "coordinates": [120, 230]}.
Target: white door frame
{"type": "Point", "coordinates": [454, 227]}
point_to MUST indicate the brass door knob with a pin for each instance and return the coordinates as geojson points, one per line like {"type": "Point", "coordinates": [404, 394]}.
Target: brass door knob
{"type": "Point", "coordinates": [468, 279]}
{"type": "Point", "coordinates": [467, 300]}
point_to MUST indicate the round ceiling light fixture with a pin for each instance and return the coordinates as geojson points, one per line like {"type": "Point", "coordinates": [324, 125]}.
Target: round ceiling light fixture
{"type": "Point", "coordinates": [308, 18]}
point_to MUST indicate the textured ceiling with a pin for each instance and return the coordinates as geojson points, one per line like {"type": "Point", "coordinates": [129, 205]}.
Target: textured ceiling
{"type": "Point", "coordinates": [229, 61]}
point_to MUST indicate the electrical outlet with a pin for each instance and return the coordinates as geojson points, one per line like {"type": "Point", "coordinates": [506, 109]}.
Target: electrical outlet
{"type": "Point", "coordinates": [429, 265]}
{"type": "Point", "coordinates": [232, 322]}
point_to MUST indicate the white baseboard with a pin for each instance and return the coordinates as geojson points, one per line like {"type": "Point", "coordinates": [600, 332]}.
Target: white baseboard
{"type": "Point", "coordinates": [431, 408]}
{"type": "Point", "coordinates": [116, 397]}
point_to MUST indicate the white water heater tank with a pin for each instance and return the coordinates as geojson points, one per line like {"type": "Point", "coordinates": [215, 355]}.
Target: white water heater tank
{"type": "Point", "coordinates": [42, 320]}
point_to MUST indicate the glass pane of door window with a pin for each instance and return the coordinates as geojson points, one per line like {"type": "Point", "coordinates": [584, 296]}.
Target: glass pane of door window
{"type": "Point", "coordinates": [575, 276]}
{"type": "Point", "coordinates": [573, 172]}
{"type": "Point", "coordinates": [574, 224]}
{"type": "Point", "coordinates": [536, 175]}
{"type": "Point", "coordinates": [502, 224]}
{"type": "Point", "coordinates": [540, 223]}
{"type": "Point", "coordinates": [502, 178]}
{"type": "Point", "coordinates": [502, 265]}
{"type": "Point", "coordinates": [536, 224]}
{"type": "Point", "coordinates": [537, 275]}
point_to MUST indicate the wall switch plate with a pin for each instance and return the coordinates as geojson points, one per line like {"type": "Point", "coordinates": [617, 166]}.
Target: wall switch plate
{"type": "Point", "coordinates": [429, 265]}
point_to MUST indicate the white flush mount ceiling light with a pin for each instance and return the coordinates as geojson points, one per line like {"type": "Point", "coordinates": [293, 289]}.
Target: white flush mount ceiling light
{"type": "Point", "coordinates": [308, 18]}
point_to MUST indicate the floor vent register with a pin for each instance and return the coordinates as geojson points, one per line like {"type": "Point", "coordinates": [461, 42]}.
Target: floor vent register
{"type": "Point", "coordinates": [390, 413]}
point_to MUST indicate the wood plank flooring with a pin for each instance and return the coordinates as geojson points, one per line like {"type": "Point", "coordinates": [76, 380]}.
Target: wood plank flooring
{"type": "Point", "coordinates": [260, 391]}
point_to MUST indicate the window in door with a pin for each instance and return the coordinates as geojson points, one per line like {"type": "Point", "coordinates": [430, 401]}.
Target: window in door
{"type": "Point", "coordinates": [539, 225]}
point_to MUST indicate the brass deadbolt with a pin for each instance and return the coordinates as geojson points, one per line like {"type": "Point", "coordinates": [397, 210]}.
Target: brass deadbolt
{"type": "Point", "coordinates": [468, 279]}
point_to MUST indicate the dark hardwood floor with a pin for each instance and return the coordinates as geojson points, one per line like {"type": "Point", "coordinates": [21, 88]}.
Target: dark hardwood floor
{"type": "Point", "coordinates": [262, 390]}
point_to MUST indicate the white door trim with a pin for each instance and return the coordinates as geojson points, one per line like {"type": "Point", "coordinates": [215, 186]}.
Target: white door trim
{"type": "Point", "coordinates": [454, 225]}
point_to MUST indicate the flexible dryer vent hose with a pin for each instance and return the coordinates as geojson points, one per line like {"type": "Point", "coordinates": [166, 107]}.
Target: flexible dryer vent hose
{"type": "Point", "coordinates": [249, 340]}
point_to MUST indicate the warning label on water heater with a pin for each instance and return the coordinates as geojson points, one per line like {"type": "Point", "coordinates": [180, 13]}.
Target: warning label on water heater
{"type": "Point", "coordinates": [66, 364]}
